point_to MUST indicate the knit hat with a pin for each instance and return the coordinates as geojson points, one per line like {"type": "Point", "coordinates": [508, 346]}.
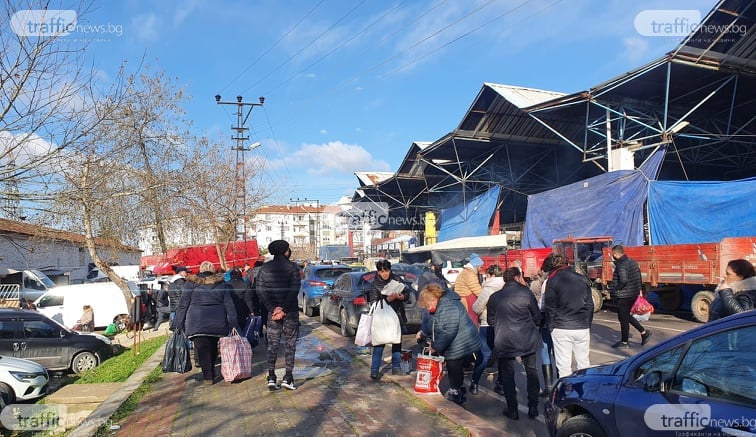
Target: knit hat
{"type": "Point", "coordinates": [278, 247]}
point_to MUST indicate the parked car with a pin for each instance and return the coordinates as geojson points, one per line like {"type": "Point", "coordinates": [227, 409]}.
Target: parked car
{"type": "Point", "coordinates": [33, 336]}
{"type": "Point", "coordinates": [64, 304]}
{"type": "Point", "coordinates": [347, 301]}
{"type": "Point", "coordinates": [700, 382]}
{"type": "Point", "coordinates": [451, 269]}
{"type": "Point", "coordinates": [21, 380]}
{"type": "Point", "coordinates": [315, 280]}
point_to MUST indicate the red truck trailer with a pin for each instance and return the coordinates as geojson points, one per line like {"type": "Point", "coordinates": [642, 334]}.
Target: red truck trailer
{"type": "Point", "coordinates": [665, 268]}
{"type": "Point", "coordinates": [237, 253]}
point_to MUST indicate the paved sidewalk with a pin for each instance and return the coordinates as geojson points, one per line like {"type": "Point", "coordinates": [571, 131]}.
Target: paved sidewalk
{"type": "Point", "coordinates": [334, 397]}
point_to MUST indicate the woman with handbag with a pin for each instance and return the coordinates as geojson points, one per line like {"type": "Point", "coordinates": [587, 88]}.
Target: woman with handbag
{"type": "Point", "coordinates": [451, 333]}
{"type": "Point", "coordinates": [206, 313]}
{"type": "Point", "coordinates": [383, 276]}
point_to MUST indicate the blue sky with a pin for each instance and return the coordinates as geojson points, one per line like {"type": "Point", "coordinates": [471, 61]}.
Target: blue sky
{"type": "Point", "coordinates": [350, 84]}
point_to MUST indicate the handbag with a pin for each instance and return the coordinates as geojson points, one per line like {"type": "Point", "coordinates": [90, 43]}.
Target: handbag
{"type": "Point", "coordinates": [252, 330]}
{"type": "Point", "coordinates": [236, 358]}
{"type": "Point", "coordinates": [385, 328]}
{"type": "Point", "coordinates": [430, 370]}
{"type": "Point", "coordinates": [641, 306]}
{"type": "Point", "coordinates": [363, 336]}
{"type": "Point", "coordinates": [177, 357]}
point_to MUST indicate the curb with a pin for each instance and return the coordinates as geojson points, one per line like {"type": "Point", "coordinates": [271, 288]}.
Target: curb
{"type": "Point", "coordinates": [105, 410]}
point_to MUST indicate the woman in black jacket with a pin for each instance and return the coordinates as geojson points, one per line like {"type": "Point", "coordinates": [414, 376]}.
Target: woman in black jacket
{"type": "Point", "coordinates": [737, 293]}
{"type": "Point", "coordinates": [205, 313]}
{"type": "Point", "coordinates": [383, 276]}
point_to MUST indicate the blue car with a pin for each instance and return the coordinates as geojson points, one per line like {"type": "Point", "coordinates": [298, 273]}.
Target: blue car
{"type": "Point", "coordinates": [701, 382]}
{"type": "Point", "coordinates": [316, 279]}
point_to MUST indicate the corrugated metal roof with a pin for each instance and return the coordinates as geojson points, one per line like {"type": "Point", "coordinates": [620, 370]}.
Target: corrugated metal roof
{"type": "Point", "coordinates": [523, 97]}
{"type": "Point", "coordinates": [37, 231]}
{"type": "Point", "coordinates": [372, 178]}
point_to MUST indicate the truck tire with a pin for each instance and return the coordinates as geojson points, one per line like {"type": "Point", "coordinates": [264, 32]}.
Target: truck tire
{"type": "Point", "coordinates": [701, 304]}
{"type": "Point", "coordinates": [598, 299]}
{"type": "Point", "coordinates": [670, 300]}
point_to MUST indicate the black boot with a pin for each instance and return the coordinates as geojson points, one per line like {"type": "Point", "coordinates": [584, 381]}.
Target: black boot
{"type": "Point", "coordinates": [511, 410]}
{"type": "Point", "coordinates": [547, 380]}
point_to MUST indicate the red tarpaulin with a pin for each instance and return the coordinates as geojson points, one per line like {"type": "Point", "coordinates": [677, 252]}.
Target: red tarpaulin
{"type": "Point", "coordinates": [238, 253]}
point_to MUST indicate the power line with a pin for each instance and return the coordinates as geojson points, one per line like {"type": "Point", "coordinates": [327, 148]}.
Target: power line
{"type": "Point", "coordinates": [306, 46]}
{"type": "Point", "coordinates": [249, 67]}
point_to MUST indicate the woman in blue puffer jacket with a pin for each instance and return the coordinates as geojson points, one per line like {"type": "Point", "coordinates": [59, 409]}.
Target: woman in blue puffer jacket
{"type": "Point", "coordinates": [451, 333]}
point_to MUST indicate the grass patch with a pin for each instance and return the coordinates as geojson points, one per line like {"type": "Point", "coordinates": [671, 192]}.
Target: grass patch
{"type": "Point", "coordinates": [118, 368]}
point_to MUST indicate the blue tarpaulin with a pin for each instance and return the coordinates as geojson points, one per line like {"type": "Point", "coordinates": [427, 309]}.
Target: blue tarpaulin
{"type": "Point", "coordinates": [468, 219]}
{"type": "Point", "coordinates": [610, 204]}
{"type": "Point", "coordinates": [701, 212]}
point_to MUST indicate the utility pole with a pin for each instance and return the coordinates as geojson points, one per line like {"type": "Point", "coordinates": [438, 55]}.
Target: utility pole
{"type": "Point", "coordinates": [316, 242]}
{"type": "Point", "coordinates": [240, 173]}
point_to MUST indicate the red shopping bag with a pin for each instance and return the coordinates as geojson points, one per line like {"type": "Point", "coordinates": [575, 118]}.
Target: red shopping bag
{"type": "Point", "coordinates": [641, 306]}
{"type": "Point", "coordinates": [430, 370]}
{"type": "Point", "coordinates": [236, 358]}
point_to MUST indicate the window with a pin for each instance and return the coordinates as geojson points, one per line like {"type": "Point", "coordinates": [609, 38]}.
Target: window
{"type": "Point", "coordinates": [721, 366]}
{"type": "Point", "coordinates": [664, 363]}
{"type": "Point", "coordinates": [9, 328]}
{"type": "Point", "coordinates": [50, 300]}
{"type": "Point", "coordinates": [40, 329]}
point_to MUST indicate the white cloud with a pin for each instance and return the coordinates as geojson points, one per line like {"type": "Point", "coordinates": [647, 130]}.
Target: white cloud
{"type": "Point", "coordinates": [183, 11]}
{"type": "Point", "coordinates": [333, 158]}
{"type": "Point", "coordinates": [323, 131]}
{"type": "Point", "coordinates": [145, 27]}
{"type": "Point", "coordinates": [635, 48]}
{"type": "Point", "coordinates": [22, 148]}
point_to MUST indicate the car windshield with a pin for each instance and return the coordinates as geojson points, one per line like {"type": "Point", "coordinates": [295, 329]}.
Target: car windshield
{"type": "Point", "coordinates": [331, 273]}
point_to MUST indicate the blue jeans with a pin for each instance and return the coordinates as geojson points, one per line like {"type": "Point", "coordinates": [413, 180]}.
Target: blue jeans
{"type": "Point", "coordinates": [377, 358]}
{"type": "Point", "coordinates": [547, 346]}
{"type": "Point", "coordinates": [485, 351]}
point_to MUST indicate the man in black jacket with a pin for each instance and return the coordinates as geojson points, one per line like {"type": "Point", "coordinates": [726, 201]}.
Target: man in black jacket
{"type": "Point", "coordinates": [568, 307]}
{"type": "Point", "coordinates": [625, 287]}
{"type": "Point", "coordinates": [513, 312]}
{"type": "Point", "coordinates": [277, 285]}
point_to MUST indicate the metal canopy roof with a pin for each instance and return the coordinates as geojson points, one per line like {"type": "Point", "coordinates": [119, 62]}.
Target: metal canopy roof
{"type": "Point", "coordinates": [700, 100]}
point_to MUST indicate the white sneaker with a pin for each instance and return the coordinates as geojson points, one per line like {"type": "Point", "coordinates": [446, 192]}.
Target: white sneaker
{"type": "Point", "coordinates": [288, 384]}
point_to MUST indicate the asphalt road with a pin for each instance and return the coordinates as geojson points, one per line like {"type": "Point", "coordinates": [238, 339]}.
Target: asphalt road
{"type": "Point", "coordinates": [605, 331]}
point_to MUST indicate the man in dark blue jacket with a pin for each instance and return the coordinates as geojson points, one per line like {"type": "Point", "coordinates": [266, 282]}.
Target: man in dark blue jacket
{"type": "Point", "coordinates": [277, 284]}
{"type": "Point", "coordinates": [625, 287]}
{"type": "Point", "coordinates": [515, 316]}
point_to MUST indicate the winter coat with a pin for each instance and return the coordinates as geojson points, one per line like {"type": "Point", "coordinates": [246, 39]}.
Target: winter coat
{"type": "Point", "coordinates": [567, 300]}
{"type": "Point", "coordinates": [626, 281]}
{"type": "Point", "coordinates": [87, 321]}
{"type": "Point", "coordinates": [206, 307]}
{"type": "Point", "coordinates": [491, 286]}
{"type": "Point", "coordinates": [277, 284]}
{"type": "Point", "coordinates": [239, 291]}
{"type": "Point", "coordinates": [398, 305]}
{"type": "Point", "coordinates": [738, 297]}
{"type": "Point", "coordinates": [515, 316]}
{"type": "Point", "coordinates": [451, 332]}
{"type": "Point", "coordinates": [174, 292]}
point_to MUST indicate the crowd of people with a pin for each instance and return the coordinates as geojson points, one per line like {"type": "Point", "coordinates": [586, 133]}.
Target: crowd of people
{"type": "Point", "coordinates": [473, 324]}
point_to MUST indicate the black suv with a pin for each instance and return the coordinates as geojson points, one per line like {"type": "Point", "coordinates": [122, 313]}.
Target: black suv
{"type": "Point", "coordinates": [34, 336]}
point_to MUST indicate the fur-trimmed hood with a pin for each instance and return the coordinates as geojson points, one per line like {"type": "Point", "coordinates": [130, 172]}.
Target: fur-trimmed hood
{"type": "Point", "coordinates": [744, 285]}
{"type": "Point", "coordinates": [205, 278]}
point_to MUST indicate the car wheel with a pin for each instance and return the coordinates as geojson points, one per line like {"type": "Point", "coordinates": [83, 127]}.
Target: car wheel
{"type": "Point", "coordinates": [84, 361]}
{"type": "Point", "coordinates": [7, 396]}
{"type": "Point", "coordinates": [321, 313]}
{"type": "Point", "coordinates": [701, 304]}
{"type": "Point", "coordinates": [346, 330]}
{"type": "Point", "coordinates": [302, 302]}
{"type": "Point", "coordinates": [581, 426]}
{"type": "Point", "coordinates": [308, 310]}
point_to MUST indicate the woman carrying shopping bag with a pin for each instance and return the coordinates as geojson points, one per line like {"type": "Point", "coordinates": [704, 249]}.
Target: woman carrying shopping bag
{"type": "Point", "coordinates": [383, 278]}
{"type": "Point", "coordinates": [206, 313]}
{"type": "Point", "coordinates": [450, 333]}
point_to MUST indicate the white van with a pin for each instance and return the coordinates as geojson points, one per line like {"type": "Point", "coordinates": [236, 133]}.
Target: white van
{"type": "Point", "coordinates": [64, 304]}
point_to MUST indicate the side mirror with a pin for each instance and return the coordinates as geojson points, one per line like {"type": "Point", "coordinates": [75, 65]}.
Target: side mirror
{"type": "Point", "coordinates": [653, 382]}
{"type": "Point", "coordinates": [62, 334]}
